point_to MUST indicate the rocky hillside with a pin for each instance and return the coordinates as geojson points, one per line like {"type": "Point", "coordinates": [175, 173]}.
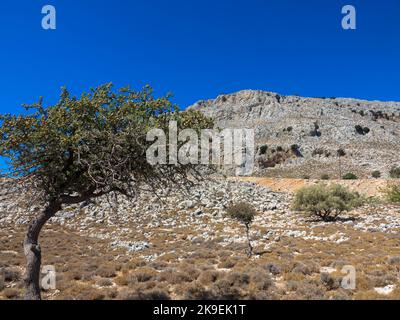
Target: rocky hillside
{"type": "Point", "coordinates": [299, 137]}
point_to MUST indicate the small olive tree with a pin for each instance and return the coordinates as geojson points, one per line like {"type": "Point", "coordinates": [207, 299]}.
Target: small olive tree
{"type": "Point", "coordinates": [83, 148]}
{"type": "Point", "coordinates": [244, 213]}
{"type": "Point", "coordinates": [326, 202]}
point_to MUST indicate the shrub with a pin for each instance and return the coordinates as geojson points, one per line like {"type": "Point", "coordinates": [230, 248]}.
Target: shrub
{"type": "Point", "coordinates": [196, 291]}
{"type": "Point", "coordinates": [296, 150]}
{"type": "Point", "coordinates": [104, 282]}
{"type": "Point", "coordinates": [260, 279]}
{"type": "Point", "coordinates": [350, 176]}
{"type": "Point", "coordinates": [394, 260]}
{"type": "Point", "coordinates": [392, 192]}
{"type": "Point", "coordinates": [225, 290]}
{"type": "Point", "coordinates": [209, 276]}
{"type": "Point", "coordinates": [326, 202]}
{"type": "Point", "coordinates": [361, 130]}
{"type": "Point", "coordinates": [154, 294]}
{"type": "Point", "coordinates": [227, 263]}
{"type": "Point", "coordinates": [330, 282]}
{"type": "Point", "coordinates": [273, 268]}
{"type": "Point", "coordinates": [151, 294]}
{"type": "Point", "coordinates": [263, 149]}
{"type": "Point", "coordinates": [106, 271]}
{"type": "Point", "coordinates": [376, 174]}
{"type": "Point", "coordinates": [340, 152]}
{"type": "Point", "coordinates": [315, 131]}
{"type": "Point", "coordinates": [244, 213]}
{"type": "Point", "coordinates": [395, 172]}
{"type": "Point", "coordinates": [144, 274]}
{"type": "Point", "coordinates": [11, 293]}
{"type": "Point", "coordinates": [318, 152]}
{"type": "Point", "coordinates": [325, 177]}
{"type": "Point", "coordinates": [11, 275]}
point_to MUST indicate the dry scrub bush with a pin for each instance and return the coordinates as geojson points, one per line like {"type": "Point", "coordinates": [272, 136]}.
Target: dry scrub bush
{"type": "Point", "coordinates": [195, 291]}
{"type": "Point", "coordinates": [326, 202]}
{"type": "Point", "coordinates": [228, 263]}
{"type": "Point", "coordinates": [244, 213]}
{"type": "Point", "coordinates": [11, 293]}
{"type": "Point", "coordinates": [392, 192]}
{"type": "Point", "coordinates": [152, 294]}
{"type": "Point", "coordinates": [225, 290]}
{"type": "Point", "coordinates": [104, 282]}
{"type": "Point", "coordinates": [106, 271]}
{"type": "Point", "coordinates": [209, 276]}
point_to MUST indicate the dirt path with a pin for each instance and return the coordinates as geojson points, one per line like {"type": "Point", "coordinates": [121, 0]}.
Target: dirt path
{"type": "Point", "coordinates": [368, 187]}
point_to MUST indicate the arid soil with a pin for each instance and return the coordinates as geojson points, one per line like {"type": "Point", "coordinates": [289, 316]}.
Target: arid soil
{"type": "Point", "coordinates": [187, 254]}
{"type": "Point", "coordinates": [367, 187]}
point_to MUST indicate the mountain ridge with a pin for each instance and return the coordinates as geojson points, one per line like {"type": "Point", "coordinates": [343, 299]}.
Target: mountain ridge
{"type": "Point", "coordinates": [368, 132]}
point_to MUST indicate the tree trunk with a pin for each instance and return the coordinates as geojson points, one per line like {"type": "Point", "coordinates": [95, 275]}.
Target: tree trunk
{"type": "Point", "coordinates": [32, 250]}
{"type": "Point", "coordinates": [250, 250]}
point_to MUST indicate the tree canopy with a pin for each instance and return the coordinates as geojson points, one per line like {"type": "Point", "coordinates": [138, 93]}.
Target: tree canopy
{"type": "Point", "coordinates": [95, 144]}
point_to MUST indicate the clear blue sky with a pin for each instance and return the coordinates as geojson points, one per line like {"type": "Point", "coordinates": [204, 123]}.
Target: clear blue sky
{"type": "Point", "coordinates": [199, 49]}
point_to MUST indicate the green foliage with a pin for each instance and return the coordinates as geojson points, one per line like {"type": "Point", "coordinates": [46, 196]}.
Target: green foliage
{"type": "Point", "coordinates": [392, 192]}
{"type": "Point", "coordinates": [295, 148]}
{"type": "Point", "coordinates": [376, 174]}
{"type": "Point", "coordinates": [326, 202]}
{"type": "Point", "coordinates": [263, 149]}
{"type": "Point", "coordinates": [395, 172]}
{"type": "Point", "coordinates": [350, 176]}
{"type": "Point", "coordinates": [340, 152]}
{"type": "Point", "coordinates": [325, 177]}
{"type": "Point", "coordinates": [94, 144]}
{"type": "Point", "coordinates": [362, 130]}
{"type": "Point", "coordinates": [243, 212]}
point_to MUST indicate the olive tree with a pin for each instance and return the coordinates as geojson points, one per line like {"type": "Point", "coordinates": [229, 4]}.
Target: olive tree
{"type": "Point", "coordinates": [85, 147]}
{"type": "Point", "coordinates": [244, 213]}
{"type": "Point", "coordinates": [327, 202]}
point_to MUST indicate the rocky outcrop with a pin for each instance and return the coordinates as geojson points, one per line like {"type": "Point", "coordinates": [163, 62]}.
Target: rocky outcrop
{"type": "Point", "coordinates": [368, 132]}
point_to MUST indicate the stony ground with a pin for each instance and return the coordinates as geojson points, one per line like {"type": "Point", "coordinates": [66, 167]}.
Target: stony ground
{"type": "Point", "coordinates": [185, 248]}
{"type": "Point", "coordinates": [318, 126]}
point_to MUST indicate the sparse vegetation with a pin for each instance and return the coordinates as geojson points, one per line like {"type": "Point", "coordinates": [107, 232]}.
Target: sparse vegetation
{"type": "Point", "coordinates": [83, 148]}
{"type": "Point", "coordinates": [244, 213]}
{"type": "Point", "coordinates": [349, 176]}
{"type": "Point", "coordinates": [392, 192]}
{"type": "Point", "coordinates": [315, 131]}
{"type": "Point", "coordinates": [362, 130]}
{"type": "Point", "coordinates": [296, 150]}
{"type": "Point", "coordinates": [395, 172]}
{"type": "Point", "coordinates": [376, 174]}
{"type": "Point", "coordinates": [326, 202]}
{"type": "Point", "coordinates": [340, 152]}
{"type": "Point", "coordinates": [263, 149]}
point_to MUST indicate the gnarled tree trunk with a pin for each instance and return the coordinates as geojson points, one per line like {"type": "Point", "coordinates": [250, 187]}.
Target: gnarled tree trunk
{"type": "Point", "coordinates": [32, 250]}
{"type": "Point", "coordinates": [250, 249]}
